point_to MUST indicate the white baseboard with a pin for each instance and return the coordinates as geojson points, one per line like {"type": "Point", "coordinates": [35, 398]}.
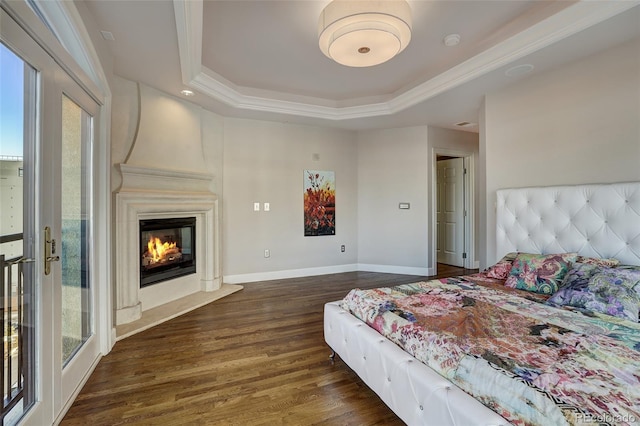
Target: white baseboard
{"type": "Point", "coordinates": [291, 273]}
{"type": "Point", "coordinates": [324, 270]}
{"type": "Point", "coordinates": [392, 269]}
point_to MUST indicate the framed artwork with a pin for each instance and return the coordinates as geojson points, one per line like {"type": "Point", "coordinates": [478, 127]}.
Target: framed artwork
{"type": "Point", "coordinates": [319, 203]}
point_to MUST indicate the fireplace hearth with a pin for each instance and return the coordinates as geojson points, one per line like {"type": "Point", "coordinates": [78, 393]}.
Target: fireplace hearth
{"type": "Point", "coordinates": [167, 249]}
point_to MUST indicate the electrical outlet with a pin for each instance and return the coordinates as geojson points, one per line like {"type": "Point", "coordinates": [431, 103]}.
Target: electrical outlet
{"type": "Point", "coordinates": [267, 253]}
{"type": "Point", "coordinates": [342, 248]}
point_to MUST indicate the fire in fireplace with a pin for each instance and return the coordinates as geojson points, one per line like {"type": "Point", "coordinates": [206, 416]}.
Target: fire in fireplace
{"type": "Point", "coordinates": [167, 248]}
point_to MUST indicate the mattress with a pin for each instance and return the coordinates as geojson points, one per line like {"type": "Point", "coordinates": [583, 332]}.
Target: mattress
{"type": "Point", "coordinates": [528, 362]}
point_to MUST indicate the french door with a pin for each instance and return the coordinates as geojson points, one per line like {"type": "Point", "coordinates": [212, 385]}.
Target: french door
{"type": "Point", "coordinates": [48, 268]}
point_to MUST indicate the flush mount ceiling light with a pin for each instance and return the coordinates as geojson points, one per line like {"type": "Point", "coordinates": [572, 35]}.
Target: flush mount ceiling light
{"type": "Point", "coordinates": [359, 33]}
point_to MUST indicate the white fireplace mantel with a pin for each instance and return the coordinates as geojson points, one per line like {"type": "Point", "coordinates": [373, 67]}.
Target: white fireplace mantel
{"type": "Point", "coordinates": [154, 194]}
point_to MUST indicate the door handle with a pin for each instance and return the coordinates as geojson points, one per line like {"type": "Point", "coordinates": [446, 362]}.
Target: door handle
{"type": "Point", "coordinates": [49, 250]}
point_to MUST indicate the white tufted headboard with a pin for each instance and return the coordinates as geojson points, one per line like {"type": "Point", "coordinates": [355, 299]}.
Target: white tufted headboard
{"type": "Point", "coordinates": [592, 220]}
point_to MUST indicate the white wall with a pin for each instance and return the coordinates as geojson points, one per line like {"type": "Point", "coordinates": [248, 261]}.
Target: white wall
{"type": "Point", "coordinates": [578, 124]}
{"type": "Point", "coordinates": [392, 168]}
{"type": "Point", "coordinates": [264, 162]}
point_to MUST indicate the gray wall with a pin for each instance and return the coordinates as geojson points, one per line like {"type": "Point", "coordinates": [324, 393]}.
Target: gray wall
{"type": "Point", "coordinates": [392, 168]}
{"type": "Point", "coordinates": [578, 124]}
{"type": "Point", "coordinates": [264, 162]}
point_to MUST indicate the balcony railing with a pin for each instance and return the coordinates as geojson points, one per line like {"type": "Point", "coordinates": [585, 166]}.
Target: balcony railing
{"type": "Point", "coordinates": [13, 330]}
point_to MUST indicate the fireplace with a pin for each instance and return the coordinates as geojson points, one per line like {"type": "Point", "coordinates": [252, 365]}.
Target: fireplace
{"type": "Point", "coordinates": [167, 249]}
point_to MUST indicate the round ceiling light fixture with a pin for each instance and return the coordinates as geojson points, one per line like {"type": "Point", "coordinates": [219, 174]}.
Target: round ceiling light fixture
{"type": "Point", "coordinates": [360, 33]}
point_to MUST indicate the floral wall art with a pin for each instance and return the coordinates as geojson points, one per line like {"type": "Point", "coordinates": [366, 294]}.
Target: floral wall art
{"type": "Point", "coordinates": [319, 203]}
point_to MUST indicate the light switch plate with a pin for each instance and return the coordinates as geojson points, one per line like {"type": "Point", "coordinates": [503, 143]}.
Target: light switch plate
{"type": "Point", "coordinates": [267, 207]}
{"type": "Point", "coordinates": [256, 207]}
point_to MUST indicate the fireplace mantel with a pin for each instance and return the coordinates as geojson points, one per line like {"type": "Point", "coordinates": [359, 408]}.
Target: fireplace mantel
{"type": "Point", "coordinates": [136, 178]}
{"type": "Point", "coordinates": [148, 193]}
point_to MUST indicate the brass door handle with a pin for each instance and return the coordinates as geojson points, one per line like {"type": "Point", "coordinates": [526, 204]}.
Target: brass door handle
{"type": "Point", "coordinates": [49, 250]}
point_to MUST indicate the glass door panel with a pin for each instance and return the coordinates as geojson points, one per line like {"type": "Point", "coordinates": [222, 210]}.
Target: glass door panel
{"type": "Point", "coordinates": [17, 257]}
{"type": "Point", "coordinates": [75, 206]}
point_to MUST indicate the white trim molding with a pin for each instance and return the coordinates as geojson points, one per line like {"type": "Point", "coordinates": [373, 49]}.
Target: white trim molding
{"type": "Point", "coordinates": [325, 270]}
{"type": "Point", "coordinates": [290, 273]}
{"type": "Point", "coordinates": [569, 21]}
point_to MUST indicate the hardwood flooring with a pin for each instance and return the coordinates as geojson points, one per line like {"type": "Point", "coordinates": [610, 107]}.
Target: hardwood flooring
{"type": "Point", "coordinates": [256, 357]}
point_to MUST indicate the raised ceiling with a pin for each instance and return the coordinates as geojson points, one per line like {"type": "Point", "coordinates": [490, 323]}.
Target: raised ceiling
{"type": "Point", "coordinates": [260, 59]}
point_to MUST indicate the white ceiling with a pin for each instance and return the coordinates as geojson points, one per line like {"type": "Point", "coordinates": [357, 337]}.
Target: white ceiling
{"type": "Point", "coordinates": [260, 59]}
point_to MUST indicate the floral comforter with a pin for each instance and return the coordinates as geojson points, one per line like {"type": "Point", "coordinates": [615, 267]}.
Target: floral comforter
{"type": "Point", "coordinates": [529, 362]}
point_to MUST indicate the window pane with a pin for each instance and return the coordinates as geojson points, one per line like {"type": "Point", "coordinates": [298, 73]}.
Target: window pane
{"type": "Point", "coordinates": [75, 254]}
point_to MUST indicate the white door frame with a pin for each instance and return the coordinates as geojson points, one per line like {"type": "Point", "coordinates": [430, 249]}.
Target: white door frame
{"type": "Point", "coordinates": [469, 201]}
{"type": "Point", "coordinates": [98, 89]}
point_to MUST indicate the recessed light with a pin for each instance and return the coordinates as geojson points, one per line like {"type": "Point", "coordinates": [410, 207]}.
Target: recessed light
{"type": "Point", "coordinates": [519, 70]}
{"type": "Point", "coordinates": [451, 40]}
{"type": "Point", "coordinates": [187, 92]}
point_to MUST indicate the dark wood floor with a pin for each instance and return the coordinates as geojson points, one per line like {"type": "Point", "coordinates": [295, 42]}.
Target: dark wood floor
{"type": "Point", "coordinates": [255, 357]}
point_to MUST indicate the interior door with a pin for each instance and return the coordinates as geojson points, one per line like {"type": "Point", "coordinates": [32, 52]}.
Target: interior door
{"type": "Point", "coordinates": [450, 211]}
{"type": "Point", "coordinates": [57, 300]}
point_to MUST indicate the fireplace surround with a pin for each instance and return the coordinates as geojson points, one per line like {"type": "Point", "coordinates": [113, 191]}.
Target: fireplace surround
{"type": "Point", "coordinates": [152, 194]}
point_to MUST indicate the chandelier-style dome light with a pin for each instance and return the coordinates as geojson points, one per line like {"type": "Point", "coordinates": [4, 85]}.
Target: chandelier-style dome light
{"type": "Point", "coordinates": [359, 33]}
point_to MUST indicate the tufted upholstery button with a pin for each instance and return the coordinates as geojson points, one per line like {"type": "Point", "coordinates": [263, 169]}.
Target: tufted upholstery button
{"type": "Point", "coordinates": [388, 379]}
{"type": "Point", "coordinates": [421, 408]}
{"type": "Point", "coordinates": [364, 357]}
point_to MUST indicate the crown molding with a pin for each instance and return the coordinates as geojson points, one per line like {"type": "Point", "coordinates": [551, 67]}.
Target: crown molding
{"type": "Point", "coordinates": [570, 20]}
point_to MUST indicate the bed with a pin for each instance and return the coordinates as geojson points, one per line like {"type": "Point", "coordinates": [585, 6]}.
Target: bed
{"type": "Point", "coordinates": [539, 338]}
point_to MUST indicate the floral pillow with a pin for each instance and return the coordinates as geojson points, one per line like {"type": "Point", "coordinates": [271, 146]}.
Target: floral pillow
{"type": "Point", "coordinates": [611, 291]}
{"type": "Point", "coordinates": [580, 274]}
{"type": "Point", "coordinates": [607, 263]}
{"type": "Point", "coordinates": [629, 267]}
{"type": "Point", "coordinates": [501, 269]}
{"type": "Point", "coordinates": [539, 273]}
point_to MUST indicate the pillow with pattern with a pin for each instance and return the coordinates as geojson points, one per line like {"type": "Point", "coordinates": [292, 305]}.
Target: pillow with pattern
{"type": "Point", "coordinates": [501, 269]}
{"type": "Point", "coordinates": [606, 263]}
{"type": "Point", "coordinates": [611, 291]}
{"type": "Point", "coordinates": [579, 275]}
{"type": "Point", "coordinates": [539, 273]}
{"type": "Point", "coordinates": [629, 267]}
